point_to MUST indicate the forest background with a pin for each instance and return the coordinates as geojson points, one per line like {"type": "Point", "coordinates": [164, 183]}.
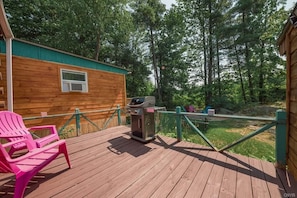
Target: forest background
{"type": "Point", "coordinates": [221, 53]}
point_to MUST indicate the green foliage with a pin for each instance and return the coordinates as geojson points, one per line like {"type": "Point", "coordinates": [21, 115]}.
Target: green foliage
{"type": "Point", "coordinates": [82, 27]}
{"type": "Point", "coordinates": [218, 53]}
{"type": "Point", "coordinates": [30, 19]}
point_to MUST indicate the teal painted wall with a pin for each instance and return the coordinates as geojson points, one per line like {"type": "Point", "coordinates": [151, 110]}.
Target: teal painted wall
{"type": "Point", "coordinates": [39, 52]}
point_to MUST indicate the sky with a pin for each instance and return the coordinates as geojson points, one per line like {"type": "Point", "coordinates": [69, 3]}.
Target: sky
{"type": "Point", "coordinates": [290, 3]}
{"type": "Point", "coordinates": [168, 3]}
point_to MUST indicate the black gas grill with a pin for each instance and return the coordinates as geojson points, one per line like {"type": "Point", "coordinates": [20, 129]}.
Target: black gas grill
{"type": "Point", "coordinates": [142, 118]}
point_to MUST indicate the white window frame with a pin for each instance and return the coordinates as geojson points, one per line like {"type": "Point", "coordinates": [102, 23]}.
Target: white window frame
{"type": "Point", "coordinates": [68, 85]}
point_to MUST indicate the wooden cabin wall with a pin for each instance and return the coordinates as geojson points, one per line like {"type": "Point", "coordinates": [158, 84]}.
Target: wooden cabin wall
{"type": "Point", "coordinates": [291, 42]}
{"type": "Point", "coordinates": [37, 88]}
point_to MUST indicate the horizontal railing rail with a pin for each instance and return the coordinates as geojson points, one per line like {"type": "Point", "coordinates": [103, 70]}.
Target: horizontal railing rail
{"type": "Point", "coordinates": [77, 115]}
{"type": "Point", "coordinates": [221, 116]}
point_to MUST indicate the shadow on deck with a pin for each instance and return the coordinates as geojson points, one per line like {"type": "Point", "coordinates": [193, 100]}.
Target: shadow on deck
{"type": "Point", "coordinates": [110, 164]}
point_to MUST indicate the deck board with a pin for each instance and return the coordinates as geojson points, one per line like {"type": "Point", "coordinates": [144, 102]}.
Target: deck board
{"type": "Point", "coordinates": [215, 178]}
{"type": "Point", "coordinates": [274, 184]}
{"type": "Point", "coordinates": [244, 186]}
{"type": "Point", "coordinates": [180, 189]}
{"type": "Point", "coordinates": [142, 181]}
{"type": "Point", "coordinates": [228, 186]}
{"type": "Point", "coordinates": [172, 178]}
{"type": "Point", "coordinates": [109, 163]}
{"type": "Point", "coordinates": [259, 184]}
{"type": "Point", "coordinates": [162, 176]}
{"type": "Point", "coordinates": [197, 187]}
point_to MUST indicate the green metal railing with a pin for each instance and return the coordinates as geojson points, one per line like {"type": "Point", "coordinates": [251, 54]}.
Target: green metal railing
{"type": "Point", "coordinates": [77, 115]}
{"type": "Point", "coordinates": [279, 122]}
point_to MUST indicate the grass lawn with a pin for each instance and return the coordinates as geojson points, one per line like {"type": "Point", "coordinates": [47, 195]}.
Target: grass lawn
{"type": "Point", "coordinates": [224, 132]}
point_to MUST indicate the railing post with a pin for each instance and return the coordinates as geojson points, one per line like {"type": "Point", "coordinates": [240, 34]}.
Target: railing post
{"type": "Point", "coordinates": [178, 123]}
{"type": "Point", "coordinates": [77, 121]}
{"type": "Point", "coordinates": [281, 138]}
{"type": "Point", "coordinates": [119, 114]}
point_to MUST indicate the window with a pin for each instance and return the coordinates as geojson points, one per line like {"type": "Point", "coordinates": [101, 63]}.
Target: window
{"type": "Point", "coordinates": [74, 81]}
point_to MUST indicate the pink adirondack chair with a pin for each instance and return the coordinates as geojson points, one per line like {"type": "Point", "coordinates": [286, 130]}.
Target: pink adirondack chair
{"type": "Point", "coordinates": [25, 167]}
{"type": "Point", "coordinates": [11, 124]}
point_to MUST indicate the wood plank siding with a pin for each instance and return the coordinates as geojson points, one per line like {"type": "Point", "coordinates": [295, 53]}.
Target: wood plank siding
{"type": "Point", "coordinates": [37, 87]}
{"type": "Point", "coordinates": [109, 164]}
{"type": "Point", "coordinates": [292, 75]}
{"type": "Point", "coordinates": [288, 46]}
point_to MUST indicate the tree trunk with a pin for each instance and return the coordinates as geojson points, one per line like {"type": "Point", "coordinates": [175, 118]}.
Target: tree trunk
{"type": "Point", "coordinates": [219, 69]}
{"type": "Point", "coordinates": [248, 66]}
{"type": "Point", "coordinates": [155, 64]}
{"type": "Point", "coordinates": [261, 76]}
{"type": "Point", "coordinates": [96, 56]}
{"type": "Point", "coordinates": [240, 75]}
{"type": "Point", "coordinates": [205, 63]}
{"type": "Point", "coordinates": [247, 63]}
{"type": "Point", "coordinates": [210, 58]}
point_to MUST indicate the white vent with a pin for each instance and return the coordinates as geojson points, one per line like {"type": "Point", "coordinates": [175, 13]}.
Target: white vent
{"type": "Point", "coordinates": [75, 86]}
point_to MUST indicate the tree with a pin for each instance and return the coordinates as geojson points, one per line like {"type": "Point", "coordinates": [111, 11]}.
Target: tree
{"type": "Point", "coordinates": [149, 15]}
{"type": "Point", "coordinates": [76, 26]}
{"type": "Point", "coordinates": [173, 68]}
{"type": "Point", "coordinates": [219, 53]}
{"type": "Point", "coordinates": [30, 19]}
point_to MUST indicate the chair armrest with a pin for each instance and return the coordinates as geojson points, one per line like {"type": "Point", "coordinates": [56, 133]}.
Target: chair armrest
{"type": "Point", "coordinates": [46, 140]}
{"type": "Point", "coordinates": [51, 127]}
{"type": "Point", "coordinates": [9, 144]}
{"type": "Point", "coordinates": [27, 143]}
{"type": "Point", "coordinates": [11, 136]}
{"type": "Point", "coordinates": [53, 136]}
{"type": "Point", "coordinates": [37, 151]}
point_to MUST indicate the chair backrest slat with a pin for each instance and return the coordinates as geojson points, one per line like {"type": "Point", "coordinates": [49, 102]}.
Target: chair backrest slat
{"type": "Point", "coordinates": [12, 124]}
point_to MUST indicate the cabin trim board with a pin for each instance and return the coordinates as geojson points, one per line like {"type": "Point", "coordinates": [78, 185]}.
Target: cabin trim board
{"type": "Point", "coordinates": [31, 50]}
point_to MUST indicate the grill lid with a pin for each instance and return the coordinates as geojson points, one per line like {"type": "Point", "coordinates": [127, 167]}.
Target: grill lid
{"type": "Point", "coordinates": [145, 101]}
{"type": "Point", "coordinates": [137, 101]}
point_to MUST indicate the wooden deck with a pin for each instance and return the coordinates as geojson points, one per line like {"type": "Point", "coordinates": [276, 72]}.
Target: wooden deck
{"type": "Point", "coordinates": [110, 164]}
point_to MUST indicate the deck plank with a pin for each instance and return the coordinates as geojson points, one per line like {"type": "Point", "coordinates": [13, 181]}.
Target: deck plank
{"type": "Point", "coordinates": [181, 188]}
{"type": "Point", "coordinates": [243, 183]}
{"type": "Point", "coordinates": [228, 187]}
{"type": "Point", "coordinates": [197, 187]}
{"type": "Point", "coordinates": [215, 178]}
{"type": "Point", "coordinates": [162, 176]}
{"type": "Point", "coordinates": [172, 179]}
{"type": "Point", "coordinates": [274, 184]}
{"type": "Point", "coordinates": [109, 163]}
{"type": "Point", "coordinates": [150, 175]}
{"type": "Point", "coordinates": [259, 184]}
